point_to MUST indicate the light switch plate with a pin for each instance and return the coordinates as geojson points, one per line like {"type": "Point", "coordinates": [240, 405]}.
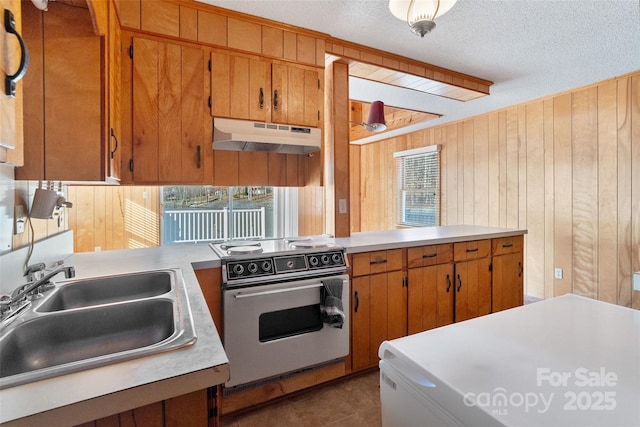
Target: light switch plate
{"type": "Point", "coordinates": [342, 206]}
{"type": "Point", "coordinates": [636, 281]}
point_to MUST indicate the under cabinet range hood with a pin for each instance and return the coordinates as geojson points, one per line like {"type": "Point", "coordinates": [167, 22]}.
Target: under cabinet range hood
{"type": "Point", "coordinates": [244, 135]}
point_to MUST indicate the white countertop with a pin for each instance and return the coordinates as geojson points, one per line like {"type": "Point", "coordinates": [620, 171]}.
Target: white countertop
{"type": "Point", "coordinates": [98, 392]}
{"type": "Point", "coordinates": [94, 393]}
{"type": "Point", "coordinates": [409, 237]}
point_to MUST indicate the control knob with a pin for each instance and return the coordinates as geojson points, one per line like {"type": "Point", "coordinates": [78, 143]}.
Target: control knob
{"type": "Point", "coordinates": [336, 258]}
{"type": "Point", "coordinates": [238, 269]}
{"type": "Point", "coordinates": [266, 266]}
{"type": "Point", "coordinates": [252, 267]}
{"type": "Point", "coordinates": [325, 259]}
{"type": "Point", "coordinates": [313, 260]}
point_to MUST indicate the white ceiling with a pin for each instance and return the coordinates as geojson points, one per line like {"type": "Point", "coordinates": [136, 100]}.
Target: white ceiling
{"type": "Point", "coordinates": [528, 48]}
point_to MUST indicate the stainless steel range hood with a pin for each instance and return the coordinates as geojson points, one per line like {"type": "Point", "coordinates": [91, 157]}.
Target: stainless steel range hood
{"type": "Point", "coordinates": [244, 135]}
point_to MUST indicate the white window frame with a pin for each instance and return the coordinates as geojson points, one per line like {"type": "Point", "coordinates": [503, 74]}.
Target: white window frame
{"type": "Point", "coordinates": [429, 154]}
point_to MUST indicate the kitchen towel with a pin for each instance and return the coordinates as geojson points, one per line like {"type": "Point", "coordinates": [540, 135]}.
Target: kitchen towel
{"type": "Point", "coordinates": [331, 303]}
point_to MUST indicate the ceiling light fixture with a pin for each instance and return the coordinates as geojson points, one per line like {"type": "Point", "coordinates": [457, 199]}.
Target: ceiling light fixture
{"type": "Point", "coordinates": [376, 122]}
{"type": "Point", "coordinates": [420, 14]}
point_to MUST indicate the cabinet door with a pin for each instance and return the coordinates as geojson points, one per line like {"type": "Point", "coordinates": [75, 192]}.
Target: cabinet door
{"type": "Point", "coordinates": [168, 106]}
{"type": "Point", "coordinates": [396, 306]}
{"type": "Point", "coordinates": [430, 301]}
{"type": "Point", "coordinates": [114, 153]}
{"type": "Point", "coordinates": [10, 108]}
{"type": "Point", "coordinates": [295, 95]}
{"type": "Point", "coordinates": [379, 313]}
{"type": "Point", "coordinates": [473, 289]}
{"type": "Point", "coordinates": [360, 327]}
{"type": "Point", "coordinates": [239, 87]}
{"type": "Point", "coordinates": [64, 99]}
{"type": "Point", "coordinates": [507, 287]}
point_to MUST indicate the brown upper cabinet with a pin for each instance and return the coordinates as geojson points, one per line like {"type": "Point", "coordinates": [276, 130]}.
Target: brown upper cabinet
{"type": "Point", "coordinates": [11, 138]}
{"type": "Point", "coordinates": [254, 88]}
{"type": "Point", "coordinates": [66, 102]}
{"type": "Point", "coordinates": [169, 131]}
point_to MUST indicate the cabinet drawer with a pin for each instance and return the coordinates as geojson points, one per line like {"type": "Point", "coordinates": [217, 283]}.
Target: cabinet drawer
{"type": "Point", "coordinates": [377, 262]}
{"type": "Point", "coordinates": [507, 245]}
{"type": "Point", "coordinates": [422, 256]}
{"type": "Point", "coordinates": [471, 250]}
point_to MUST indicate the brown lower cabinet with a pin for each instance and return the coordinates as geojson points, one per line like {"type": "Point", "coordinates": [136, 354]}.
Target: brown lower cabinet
{"type": "Point", "coordinates": [406, 291]}
{"type": "Point", "coordinates": [378, 303]}
{"type": "Point", "coordinates": [187, 410]}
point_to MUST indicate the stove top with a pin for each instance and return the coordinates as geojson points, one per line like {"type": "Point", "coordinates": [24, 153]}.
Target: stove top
{"type": "Point", "coordinates": [251, 262]}
{"type": "Point", "coordinates": [232, 248]}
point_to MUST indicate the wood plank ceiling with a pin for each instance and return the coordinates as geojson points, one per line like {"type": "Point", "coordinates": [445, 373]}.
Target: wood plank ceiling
{"type": "Point", "coordinates": [396, 118]}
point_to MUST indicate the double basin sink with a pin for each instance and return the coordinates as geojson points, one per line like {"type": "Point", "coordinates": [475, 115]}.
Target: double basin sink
{"type": "Point", "coordinates": [83, 324]}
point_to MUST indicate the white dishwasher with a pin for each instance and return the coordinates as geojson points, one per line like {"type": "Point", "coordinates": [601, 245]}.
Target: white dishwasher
{"type": "Point", "coordinates": [566, 361]}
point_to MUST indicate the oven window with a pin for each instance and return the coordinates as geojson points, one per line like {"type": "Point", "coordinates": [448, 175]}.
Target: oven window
{"type": "Point", "coordinates": [289, 322]}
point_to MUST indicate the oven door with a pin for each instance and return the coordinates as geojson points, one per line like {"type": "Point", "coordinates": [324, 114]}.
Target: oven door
{"type": "Point", "coordinates": [275, 329]}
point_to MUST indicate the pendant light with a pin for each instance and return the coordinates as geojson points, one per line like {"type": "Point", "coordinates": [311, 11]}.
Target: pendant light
{"type": "Point", "coordinates": [376, 122]}
{"type": "Point", "coordinates": [420, 14]}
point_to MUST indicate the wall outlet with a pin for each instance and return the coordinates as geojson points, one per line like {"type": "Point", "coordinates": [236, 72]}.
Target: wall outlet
{"type": "Point", "coordinates": [20, 219]}
{"type": "Point", "coordinates": [557, 273]}
{"type": "Point", "coordinates": [342, 206]}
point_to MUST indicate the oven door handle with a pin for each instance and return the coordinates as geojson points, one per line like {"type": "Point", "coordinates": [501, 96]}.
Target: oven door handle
{"type": "Point", "coordinates": [277, 291]}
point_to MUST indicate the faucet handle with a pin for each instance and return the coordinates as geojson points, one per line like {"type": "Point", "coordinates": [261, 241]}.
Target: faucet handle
{"type": "Point", "coordinates": [32, 269]}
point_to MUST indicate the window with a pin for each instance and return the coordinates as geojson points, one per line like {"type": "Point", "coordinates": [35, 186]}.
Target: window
{"type": "Point", "coordinates": [418, 188]}
{"type": "Point", "coordinates": [193, 214]}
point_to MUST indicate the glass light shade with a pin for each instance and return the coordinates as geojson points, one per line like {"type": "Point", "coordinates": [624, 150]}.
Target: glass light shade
{"type": "Point", "coordinates": [376, 122]}
{"type": "Point", "coordinates": [399, 8]}
{"type": "Point", "coordinates": [420, 14]}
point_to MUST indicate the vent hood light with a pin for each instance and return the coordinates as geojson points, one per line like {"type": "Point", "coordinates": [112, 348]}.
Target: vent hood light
{"type": "Point", "coordinates": [244, 135]}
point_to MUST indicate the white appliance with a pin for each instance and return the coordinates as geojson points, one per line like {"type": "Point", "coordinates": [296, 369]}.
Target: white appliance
{"type": "Point", "coordinates": [272, 300]}
{"type": "Point", "coordinates": [567, 361]}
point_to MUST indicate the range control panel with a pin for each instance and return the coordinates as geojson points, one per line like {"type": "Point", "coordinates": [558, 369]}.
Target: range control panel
{"type": "Point", "coordinates": [279, 266]}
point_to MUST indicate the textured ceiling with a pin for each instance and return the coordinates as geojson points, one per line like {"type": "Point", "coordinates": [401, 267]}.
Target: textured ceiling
{"type": "Point", "coordinates": [528, 48]}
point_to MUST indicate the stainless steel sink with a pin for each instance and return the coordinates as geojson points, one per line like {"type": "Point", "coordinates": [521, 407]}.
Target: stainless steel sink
{"type": "Point", "coordinates": [105, 290]}
{"type": "Point", "coordinates": [84, 324]}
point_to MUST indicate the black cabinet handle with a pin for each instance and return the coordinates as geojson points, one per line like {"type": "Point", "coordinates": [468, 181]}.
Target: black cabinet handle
{"type": "Point", "coordinates": [472, 250]}
{"type": "Point", "coordinates": [520, 268]}
{"type": "Point", "coordinates": [275, 100]}
{"type": "Point", "coordinates": [355, 309]}
{"type": "Point", "coordinates": [459, 283]}
{"type": "Point", "coordinates": [113, 135]}
{"type": "Point", "coordinates": [448, 283]}
{"type": "Point", "coordinates": [11, 80]}
{"type": "Point", "coordinates": [198, 157]}
{"type": "Point", "coordinates": [378, 261]}
{"type": "Point", "coordinates": [131, 165]}
{"type": "Point", "coordinates": [510, 245]}
{"type": "Point", "coordinates": [430, 256]}
{"type": "Point", "coordinates": [261, 98]}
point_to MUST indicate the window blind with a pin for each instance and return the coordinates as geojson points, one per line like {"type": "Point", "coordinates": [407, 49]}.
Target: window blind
{"type": "Point", "coordinates": [418, 187]}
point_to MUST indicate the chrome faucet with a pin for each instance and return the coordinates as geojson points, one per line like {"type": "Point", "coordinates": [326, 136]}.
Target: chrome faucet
{"type": "Point", "coordinates": [22, 291]}
{"type": "Point", "coordinates": [16, 302]}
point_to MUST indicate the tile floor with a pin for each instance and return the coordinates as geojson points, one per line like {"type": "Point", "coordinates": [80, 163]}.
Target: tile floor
{"type": "Point", "coordinates": [352, 402]}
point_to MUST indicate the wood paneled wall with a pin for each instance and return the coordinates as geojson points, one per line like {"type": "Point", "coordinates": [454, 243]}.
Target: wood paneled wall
{"type": "Point", "coordinates": [566, 168]}
{"type": "Point", "coordinates": [114, 217]}
{"type": "Point", "coordinates": [128, 217]}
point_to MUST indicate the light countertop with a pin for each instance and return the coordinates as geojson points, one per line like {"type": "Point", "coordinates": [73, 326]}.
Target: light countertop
{"type": "Point", "coordinates": [410, 237]}
{"type": "Point", "coordinates": [98, 392]}
{"type": "Point", "coordinates": [94, 393]}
